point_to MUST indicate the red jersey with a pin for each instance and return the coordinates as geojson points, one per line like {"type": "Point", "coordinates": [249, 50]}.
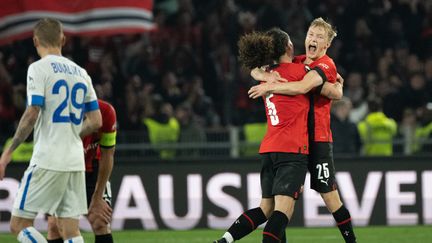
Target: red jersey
{"type": "Point", "coordinates": [105, 137]}
{"type": "Point", "coordinates": [322, 104]}
{"type": "Point", "coordinates": [287, 116]}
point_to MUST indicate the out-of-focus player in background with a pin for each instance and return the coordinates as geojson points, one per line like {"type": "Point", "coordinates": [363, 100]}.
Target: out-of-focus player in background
{"type": "Point", "coordinates": [321, 165]}
{"type": "Point", "coordinates": [59, 92]}
{"type": "Point", "coordinates": [99, 150]}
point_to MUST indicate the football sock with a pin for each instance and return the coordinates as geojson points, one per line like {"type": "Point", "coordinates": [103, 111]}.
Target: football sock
{"type": "Point", "coordinates": [104, 238]}
{"type": "Point", "coordinates": [273, 231]}
{"type": "Point", "coordinates": [59, 240]}
{"type": "Point", "coordinates": [76, 239]}
{"type": "Point", "coordinates": [283, 237]}
{"type": "Point", "coordinates": [246, 223]}
{"type": "Point", "coordinates": [31, 235]}
{"type": "Point", "coordinates": [343, 219]}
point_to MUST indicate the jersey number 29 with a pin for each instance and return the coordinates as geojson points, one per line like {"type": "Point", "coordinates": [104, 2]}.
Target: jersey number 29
{"type": "Point", "coordinates": [77, 104]}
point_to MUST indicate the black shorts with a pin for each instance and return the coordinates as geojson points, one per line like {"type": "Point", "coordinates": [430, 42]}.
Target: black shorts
{"type": "Point", "coordinates": [283, 174]}
{"type": "Point", "coordinates": [321, 167]}
{"type": "Point", "coordinates": [91, 179]}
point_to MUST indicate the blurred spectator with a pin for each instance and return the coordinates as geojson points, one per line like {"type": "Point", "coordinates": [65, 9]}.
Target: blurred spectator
{"type": "Point", "coordinates": [377, 131]}
{"type": "Point", "coordinates": [163, 128]}
{"type": "Point", "coordinates": [355, 92]}
{"type": "Point", "coordinates": [346, 139]}
{"type": "Point", "coordinates": [383, 48]}
{"type": "Point", "coordinates": [191, 130]}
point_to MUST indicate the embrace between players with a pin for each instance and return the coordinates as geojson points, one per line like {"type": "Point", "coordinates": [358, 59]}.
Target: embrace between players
{"type": "Point", "coordinates": [298, 135]}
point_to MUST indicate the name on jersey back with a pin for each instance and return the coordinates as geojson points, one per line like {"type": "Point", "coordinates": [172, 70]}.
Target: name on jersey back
{"type": "Point", "coordinates": [66, 68]}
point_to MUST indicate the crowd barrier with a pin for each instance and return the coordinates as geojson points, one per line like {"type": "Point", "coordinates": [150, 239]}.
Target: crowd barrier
{"type": "Point", "coordinates": [212, 193]}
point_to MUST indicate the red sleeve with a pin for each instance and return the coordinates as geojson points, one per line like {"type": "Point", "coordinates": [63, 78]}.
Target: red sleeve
{"type": "Point", "coordinates": [109, 120]}
{"type": "Point", "coordinates": [328, 67]}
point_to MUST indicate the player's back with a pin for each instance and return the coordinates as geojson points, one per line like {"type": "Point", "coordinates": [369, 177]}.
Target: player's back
{"type": "Point", "coordinates": [64, 90]}
{"type": "Point", "coordinates": [287, 116]}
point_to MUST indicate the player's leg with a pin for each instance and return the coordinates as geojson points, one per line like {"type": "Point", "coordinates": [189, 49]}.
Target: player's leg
{"type": "Point", "coordinates": [288, 181]}
{"type": "Point", "coordinates": [53, 233]}
{"type": "Point", "coordinates": [24, 230]}
{"type": "Point", "coordinates": [31, 198]}
{"type": "Point", "coordinates": [101, 228]}
{"type": "Point", "coordinates": [323, 180]}
{"type": "Point", "coordinates": [251, 219]}
{"type": "Point", "coordinates": [278, 221]}
{"type": "Point", "coordinates": [70, 229]}
{"type": "Point", "coordinates": [73, 204]}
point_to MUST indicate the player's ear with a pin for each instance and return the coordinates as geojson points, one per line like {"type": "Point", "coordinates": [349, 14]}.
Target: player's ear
{"type": "Point", "coordinates": [35, 41]}
{"type": "Point", "coordinates": [63, 40]}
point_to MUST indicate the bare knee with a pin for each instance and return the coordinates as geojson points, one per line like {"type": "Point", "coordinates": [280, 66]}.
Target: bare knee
{"type": "Point", "coordinates": [99, 227]}
{"type": "Point", "coordinates": [332, 200]}
{"type": "Point", "coordinates": [285, 204]}
{"type": "Point", "coordinates": [17, 224]}
{"type": "Point", "coordinates": [68, 227]}
{"type": "Point", "coordinates": [53, 229]}
{"type": "Point", "coordinates": [267, 206]}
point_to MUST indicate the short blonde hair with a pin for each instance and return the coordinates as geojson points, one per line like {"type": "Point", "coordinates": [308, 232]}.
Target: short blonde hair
{"type": "Point", "coordinates": [331, 31]}
{"type": "Point", "coordinates": [49, 32]}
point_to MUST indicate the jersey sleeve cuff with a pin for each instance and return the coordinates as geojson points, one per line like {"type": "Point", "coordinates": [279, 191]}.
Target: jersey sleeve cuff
{"type": "Point", "coordinates": [36, 100]}
{"type": "Point", "coordinates": [91, 106]}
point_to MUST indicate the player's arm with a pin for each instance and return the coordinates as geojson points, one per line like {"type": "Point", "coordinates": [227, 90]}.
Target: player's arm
{"type": "Point", "coordinates": [107, 147]}
{"type": "Point", "coordinates": [332, 91]}
{"type": "Point", "coordinates": [261, 75]}
{"type": "Point", "coordinates": [25, 127]}
{"type": "Point", "coordinates": [92, 123]}
{"type": "Point", "coordinates": [312, 79]}
{"type": "Point", "coordinates": [99, 209]}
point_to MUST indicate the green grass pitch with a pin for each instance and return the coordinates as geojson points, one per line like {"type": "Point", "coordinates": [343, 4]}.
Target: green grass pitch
{"type": "Point", "coordinates": [371, 234]}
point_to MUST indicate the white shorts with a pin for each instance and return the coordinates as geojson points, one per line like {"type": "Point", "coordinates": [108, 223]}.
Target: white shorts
{"type": "Point", "coordinates": [58, 193]}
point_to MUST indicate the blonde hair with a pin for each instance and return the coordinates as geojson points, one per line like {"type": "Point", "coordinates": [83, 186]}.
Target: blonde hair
{"type": "Point", "coordinates": [329, 29]}
{"type": "Point", "coordinates": [49, 32]}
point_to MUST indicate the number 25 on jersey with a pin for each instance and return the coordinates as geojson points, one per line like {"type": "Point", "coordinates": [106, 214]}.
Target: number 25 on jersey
{"type": "Point", "coordinates": [62, 113]}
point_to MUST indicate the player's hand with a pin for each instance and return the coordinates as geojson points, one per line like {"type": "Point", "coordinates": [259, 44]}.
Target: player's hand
{"type": "Point", "coordinates": [261, 75]}
{"type": "Point", "coordinates": [339, 79]}
{"type": "Point", "coordinates": [258, 90]}
{"type": "Point", "coordinates": [99, 210]}
{"type": "Point", "coordinates": [273, 77]}
{"type": "Point", "coordinates": [4, 161]}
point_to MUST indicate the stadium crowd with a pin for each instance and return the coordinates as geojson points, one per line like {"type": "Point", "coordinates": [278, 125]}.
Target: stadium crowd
{"type": "Point", "coordinates": [186, 72]}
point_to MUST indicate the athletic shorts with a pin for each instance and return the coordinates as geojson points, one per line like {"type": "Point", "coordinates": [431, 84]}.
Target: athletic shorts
{"type": "Point", "coordinates": [321, 167]}
{"type": "Point", "coordinates": [283, 174]}
{"type": "Point", "coordinates": [57, 193]}
{"type": "Point", "coordinates": [91, 179]}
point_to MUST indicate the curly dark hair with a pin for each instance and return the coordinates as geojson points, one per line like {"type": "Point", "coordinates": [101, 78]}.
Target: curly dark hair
{"type": "Point", "coordinates": [258, 49]}
{"type": "Point", "coordinates": [255, 49]}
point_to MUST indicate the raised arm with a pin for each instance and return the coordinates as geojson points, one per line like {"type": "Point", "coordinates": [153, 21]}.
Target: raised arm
{"type": "Point", "coordinates": [332, 91]}
{"type": "Point", "coordinates": [310, 80]}
{"type": "Point", "coordinates": [261, 75]}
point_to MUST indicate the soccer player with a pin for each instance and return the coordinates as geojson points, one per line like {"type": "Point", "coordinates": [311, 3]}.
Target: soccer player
{"type": "Point", "coordinates": [59, 92]}
{"type": "Point", "coordinates": [321, 164]}
{"type": "Point", "coordinates": [284, 148]}
{"type": "Point", "coordinates": [99, 159]}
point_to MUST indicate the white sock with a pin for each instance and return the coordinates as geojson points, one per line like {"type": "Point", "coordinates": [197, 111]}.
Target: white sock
{"type": "Point", "coordinates": [76, 239]}
{"type": "Point", "coordinates": [31, 235]}
{"type": "Point", "coordinates": [228, 237]}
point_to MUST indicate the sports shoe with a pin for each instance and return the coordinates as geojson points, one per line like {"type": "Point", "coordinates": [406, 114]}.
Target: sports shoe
{"type": "Point", "coordinates": [221, 240]}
